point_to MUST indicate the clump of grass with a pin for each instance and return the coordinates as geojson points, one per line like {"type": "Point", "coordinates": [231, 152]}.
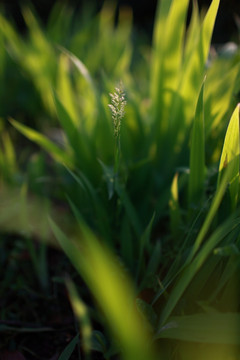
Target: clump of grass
{"type": "Point", "coordinates": [171, 224]}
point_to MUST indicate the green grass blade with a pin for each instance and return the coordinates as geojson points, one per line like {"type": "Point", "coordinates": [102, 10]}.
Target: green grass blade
{"type": "Point", "coordinates": [130, 210]}
{"type": "Point", "coordinates": [192, 74]}
{"type": "Point", "coordinates": [127, 244]}
{"type": "Point", "coordinates": [167, 55]}
{"type": "Point", "coordinates": [110, 287]}
{"type": "Point", "coordinates": [153, 264]}
{"type": "Point", "coordinates": [39, 60]}
{"type": "Point", "coordinates": [228, 273]}
{"type": "Point", "coordinates": [221, 88]}
{"type": "Point", "coordinates": [197, 156]}
{"type": "Point", "coordinates": [102, 219]}
{"type": "Point", "coordinates": [80, 66]}
{"type": "Point", "coordinates": [69, 126]}
{"type": "Point", "coordinates": [109, 178]}
{"type": "Point", "coordinates": [144, 243]}
{"type": "Point", "coordinates": [174, 208]}
{"type": "Point", "coordinates": [66, 120]}
{"type": "Point", "coordinates": [58, 154]}
{"type": "Point", "coordinates": [192, 31]}
{"type": "Point", "coordinates": [160, 22]}
{"type": "Point", "coordinates": [207, 29]}
{"type": "Point", "coordinates": [230, 154]}
{"type": "Point", "coordinates": [8, 160]}
{"type": "Point", "coordinates": [217, 328]}
{"type": "Point", "coordinates": [67, 352]}
{"type": "Point", "coordinates": [13, 38]}
{"type": "Point", "coordinates": [65, 89]}
{"type": "Point", "coordinates": [81, 313]}
{"type": "Point", "coordinates": [212, 211]}
{"type": "Point", "coordinates": [189, 271]}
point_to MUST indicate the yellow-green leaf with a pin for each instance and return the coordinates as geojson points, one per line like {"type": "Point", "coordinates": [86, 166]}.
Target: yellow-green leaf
{"type": "Point", "coordinates": [230, 154]}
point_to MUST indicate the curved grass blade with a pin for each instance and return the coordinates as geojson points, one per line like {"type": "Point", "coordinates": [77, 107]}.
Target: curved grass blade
{"type": "Point", "coordinates": [81, 313]}
{"type": "Point", "coordinates": [102, 219]}
{"type": "Point", "coordinates": [190, 270]}
{"type": "Point", "coordinates": [197, 156]}
{"type": "Point", "coordinates": [58, 154]}
{"type": "Point", "coordinates": [230, 153]}
{"type": "Point", "coordinates": [70, 127]}
{"type": "Point", "coordinates": [144, 243]}
{"type": "Point", "coordinates": [79, 65]}
{"type": "Point", "coordinates": [130, 210]}
{"type": "Point", "coordinates": [217, 328]}
{"type": "Point", "coordinates": [192, 265]}
{"type": "Point", "coordinates": [67, 352]}
{"type": "Point", "coordinates": [111, 288]}
{"type": "Point", "coordinates": [65, 89]}
{"type": "Point", "coordinates": [174, 208]}
{"type": "Point", "coordinates": [167, 55]}
{"type": "Point", "coordinates": [191, 75]}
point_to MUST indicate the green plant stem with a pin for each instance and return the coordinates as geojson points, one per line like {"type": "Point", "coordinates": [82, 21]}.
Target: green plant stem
{"type": "Point", "coordinates": [117, 157]}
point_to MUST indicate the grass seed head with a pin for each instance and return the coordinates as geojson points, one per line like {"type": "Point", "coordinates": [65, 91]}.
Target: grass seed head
{"type": "Point", "coordinates": [117, 106]}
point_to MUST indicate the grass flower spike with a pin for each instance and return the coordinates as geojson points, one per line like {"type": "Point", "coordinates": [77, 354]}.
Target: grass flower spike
{"type": "Point", "coordinates": [117, 106]}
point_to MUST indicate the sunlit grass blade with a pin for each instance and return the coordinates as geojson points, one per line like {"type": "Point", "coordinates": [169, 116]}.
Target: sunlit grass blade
{"type": "Point", "coordinates": [197, 156]}
{"type": "Point", "coordinates": [8, 159]}
{"type": "Point", "coordinates": [230, 154]}
{"type": "Point", "coordinates": [174, 208]}
{"type": "Point", "coordinates": [70, 128]}
{"type": "Point", "coordinates": [90, 103]}
{"type": "Point", "coordinates": [81, 313]}
{"type": "Point", "coordinates": [192, 76]}
{"type": "Point", "coordinates": [192, 34]}
{"type": "Point", "coordinates": [111, 289]}
{"type": "Point", "coordinates": [207, 29]}
{"type": "Point", "coordinates": [67, 121]}
{"type": "Point", "coordinates": [217, 328]}
{"type": "Point", "coordinates": [167, 56]}
{"type": "Point", "coordinates": [39, 59]}
{"type": "Point", "coordinates": [212, 211]}
{"type": "Point", "coordinates": [195, 60]}
{"type": "Point", "coordinates": [58, 154]}
{"type": "Point", "coordinates": [190, 269]}
{"type": "Point", "coordinates": [8, 31]}
{"type": "Point", "coordinates": [80, 66]}
{"type": "Point", "coordinates": [65, 89]}
{"type": "Point", "coordinates": [222, 89]}
{"type": "Point", "coordinates": [192, 265]}
{"type": "Point", "coordinates": [35, 56]}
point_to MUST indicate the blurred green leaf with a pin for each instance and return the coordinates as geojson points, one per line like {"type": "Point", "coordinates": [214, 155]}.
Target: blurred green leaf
{"type": "Point", "coordinates": [91, 258]}
{"type": "Point", "coordinates": [67, 352]}
{"type": "Point", "coordinates": [197, 156]}
{"type": "Point", "coordinates": [221, 328]}
{"type": "Point", "coordinates": [33, 135]}
{"type": "Point", "coordinates": [230, 155]}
